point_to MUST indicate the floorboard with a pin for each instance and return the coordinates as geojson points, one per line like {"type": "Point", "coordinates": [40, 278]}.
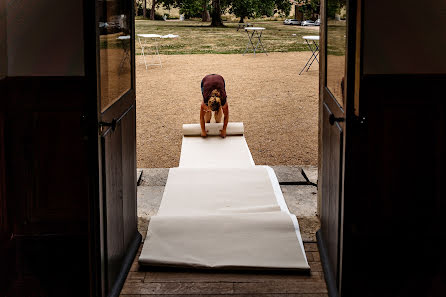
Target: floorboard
{"type": "Point", "coordinates": [189, 283]}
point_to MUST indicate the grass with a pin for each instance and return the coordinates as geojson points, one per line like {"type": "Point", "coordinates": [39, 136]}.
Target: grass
{"type": "Point", "coordinates": [337, 32]}
{"type": "Point", "coordinates": [197, 37]}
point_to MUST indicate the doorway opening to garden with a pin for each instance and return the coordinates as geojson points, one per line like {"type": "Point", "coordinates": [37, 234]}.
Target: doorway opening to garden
{"type": "Point", "coordinates": [278, 107]}
{"type": "Point", "coordinates": [273, 91]}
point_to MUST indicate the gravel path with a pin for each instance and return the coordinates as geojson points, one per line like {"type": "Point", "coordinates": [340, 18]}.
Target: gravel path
{"type": "Point", "coordinates": [278, 107]}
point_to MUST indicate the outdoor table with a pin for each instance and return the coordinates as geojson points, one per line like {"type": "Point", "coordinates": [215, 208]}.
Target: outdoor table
{"type": "Point", "coordinates": [257, 32]}
{"type": "Point", "coordinates": [126, 47]}
{"type": "Point", "coordinates": [314, 48]}
{"type": "Point", "coordinates": [142, 38]}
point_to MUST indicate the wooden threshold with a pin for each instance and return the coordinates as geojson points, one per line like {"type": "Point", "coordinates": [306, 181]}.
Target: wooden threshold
{"type": "Point", "coordinates": [141, 283]}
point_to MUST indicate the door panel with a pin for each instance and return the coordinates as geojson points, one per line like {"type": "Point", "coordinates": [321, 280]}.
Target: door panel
{"type": "Point", "coordinates": [113, 199]}
{"type": "Point", "coordinates": [119, 174]}
{"type": "Point", "coordinates": [332, 154]}
{"type": "Point", "coordinates": [46, 205]}
{"type": "Point", "coordinates": [117, 130]}
{"type": "Point", "coordinates": [128, 124]}
{"type": "Point", "coordinates": [46, 185]}
{"type": "Point", "coordinates": [334, 57]}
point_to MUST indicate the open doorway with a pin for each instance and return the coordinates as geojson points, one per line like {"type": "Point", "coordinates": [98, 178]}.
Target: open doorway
{"type": "Point", "coordinates": [279, 107]}
{"type": "Point", "coordinates": [89, 211]}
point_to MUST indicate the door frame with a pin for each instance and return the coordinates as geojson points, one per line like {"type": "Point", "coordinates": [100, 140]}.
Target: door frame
{"type": "Point", "coordinates": [352, 118]}
{"type": "Point", "coordinates": [113, 114]}
{"type": "Point", "coordinates": [92, 119]}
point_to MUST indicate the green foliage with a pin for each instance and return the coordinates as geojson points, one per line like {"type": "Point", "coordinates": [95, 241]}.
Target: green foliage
{"type": "Point", "coordinates": [283, 7]}
{"type": "Point", "coordinates": [191, 9]}
{"type": "Point", "coordinates": [309, 7]}
{"type": "Point", "coordinates": [264, 8]}
{"type": "Point", "coordinates": [334, 7]}
{"type": "Point", "coordinates": [258, 8]}
{"type": "Point", "coordinates": [241, 8]}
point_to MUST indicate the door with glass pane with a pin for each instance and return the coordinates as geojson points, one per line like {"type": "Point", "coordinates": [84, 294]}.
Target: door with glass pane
{"type": "Point", "coordinates": [117, 122]}
{"type": "Point", "coordinates": [334, 57]}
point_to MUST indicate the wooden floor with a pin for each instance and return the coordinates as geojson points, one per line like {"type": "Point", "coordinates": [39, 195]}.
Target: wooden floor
{"type": "Point", "coordinates": [162, 283]}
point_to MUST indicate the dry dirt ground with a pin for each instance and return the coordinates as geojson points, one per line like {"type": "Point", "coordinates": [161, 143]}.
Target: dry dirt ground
{"type": "Point", "coordinates": [278, 107]}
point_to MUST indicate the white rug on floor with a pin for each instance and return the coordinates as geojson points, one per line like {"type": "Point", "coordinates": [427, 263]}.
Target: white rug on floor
{"type": "Point", "coordinates": [221, 211]}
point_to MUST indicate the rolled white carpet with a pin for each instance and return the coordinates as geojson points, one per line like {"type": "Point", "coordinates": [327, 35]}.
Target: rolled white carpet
{"type": "Point", "coordinates": [221, 211]}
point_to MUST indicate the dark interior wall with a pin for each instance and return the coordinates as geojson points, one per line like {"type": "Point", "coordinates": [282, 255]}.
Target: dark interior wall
{"type": "Point", "coordinates": [44, 200]}
{"type": "Point", "coordinates": [3, 219]}
{"type": "Point", "coordinates": [3, 49]}
{"type": "Point", "coordinates": [47, 182]}
{"type": "Point", "coordinates": [394, 201]}
{"type": "Point", "coordinates": [45, 38]}
{"type": "Point", "coordinates": [404, 36]}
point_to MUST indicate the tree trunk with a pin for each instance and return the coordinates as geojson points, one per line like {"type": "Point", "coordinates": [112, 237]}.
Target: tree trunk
{"type": "Point", "coordinates": [144, 10]}
{"type": "Point", "coordinates": [205, 17]}
{"type": "Point", "coordinates": [216, 14]}
{"type": "Point", "coordinates": [152, 11]}
{"type": "Point", "coordinates": [242, 20]}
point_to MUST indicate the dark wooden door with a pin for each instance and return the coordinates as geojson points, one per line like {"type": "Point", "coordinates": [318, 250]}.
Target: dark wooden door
{"type": "Point", "coordinates": [333, 93]}
{"type": "Point", "coordinates": [117, 122]}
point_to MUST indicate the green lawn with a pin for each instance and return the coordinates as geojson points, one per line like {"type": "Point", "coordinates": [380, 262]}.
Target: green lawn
{"type": "Point", "coordinates": [337, 31]}
{"type": "Point", "coordinates": [198, 38]}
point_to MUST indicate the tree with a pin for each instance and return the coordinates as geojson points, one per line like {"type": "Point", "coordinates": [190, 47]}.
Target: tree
{"type": "Point", "coordinates": [216, 14]}
{"type": "Point", "coordinates": [310, 7]}
{"type": "Point", "coordinates": [190, 8]}
{"type": "Point", "coordinates": [334, 7]}
{"type": "Point", "coordinates": [205, 16]}
{"type": "Point", "coordinates": [283, 6]}
{"type": "Point", "coordinates": [242, 9]}
{"type": "Point", "coordinates": [199, 8]}
{"type": "Point", "coordinates": [144, 9]}
{"type": "Point", "coordinates": [152, 11]}
{"type": "Point", "coordinates": [257, 8]}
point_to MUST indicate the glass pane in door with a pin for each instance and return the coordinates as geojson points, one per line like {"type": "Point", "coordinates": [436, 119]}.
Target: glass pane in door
{"type": "Point", "coordinates": [336, 45]}
{"type": "Point", "coordinates": [115, 50]}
